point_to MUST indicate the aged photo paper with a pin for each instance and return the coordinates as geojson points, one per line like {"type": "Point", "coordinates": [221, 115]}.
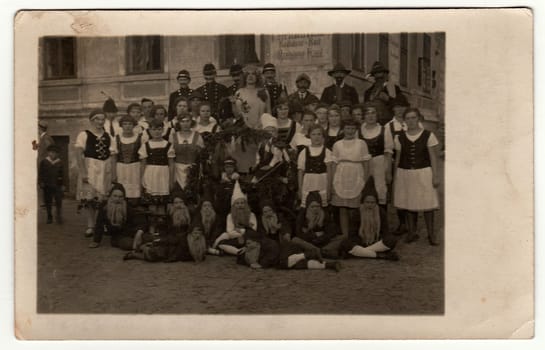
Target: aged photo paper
{"type": "Point", "coordinates": [485, 78]}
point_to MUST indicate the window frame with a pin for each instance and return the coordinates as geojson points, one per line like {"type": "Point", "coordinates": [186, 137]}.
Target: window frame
{"type": "Point", "coordinates": [129, 47]}
{"type": "Point", "coordinates": [223, 64]}
{"type": "Point", "coordinates": [45, 57]}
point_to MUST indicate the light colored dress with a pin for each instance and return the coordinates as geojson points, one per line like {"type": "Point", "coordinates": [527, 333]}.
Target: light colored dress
{"type": "Point", "coordinates": [256, 105]}
{"type": "Point", "coordinates": [348, 181]}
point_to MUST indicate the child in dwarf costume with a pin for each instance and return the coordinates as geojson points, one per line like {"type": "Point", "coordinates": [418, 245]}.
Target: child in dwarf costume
{"type": "Point", "coordinates": [120, 221]}
{"type": "Point", "coordinates": [238, 221]}
{"type": "Point", "coordinates": [174, 240]}
{"type": "Point", "coordinates": [260, 251]}
{"type": "Point", "coordinates": [372, 239]}
{"type": "Point", "coordinates": [224, 189]}
{"type": "Point", "coordinates": [272, 223]}
{"type": "Point", "coordinates": [314, 229]}
{"type": "Point", "coordinates": [206, 217]}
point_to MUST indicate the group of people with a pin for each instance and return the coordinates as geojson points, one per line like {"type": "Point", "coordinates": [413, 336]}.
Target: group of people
{"type": "Point", "coordinates": [276, 179]}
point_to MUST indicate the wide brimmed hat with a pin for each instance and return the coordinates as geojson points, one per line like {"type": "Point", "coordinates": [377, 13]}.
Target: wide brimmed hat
{"type": "Point", "coordinates": [209, 68]}
{"type": "Point", "coordinates": [339, 67]}
{"type": "Point", "coordinates": [42, 124]}
{"type": "Point", "coordinates": [183, 74]}
{"type": "Point", "coordinates": [369, 189]}
{"type": "Point", "coordinates": [109, 106]}
{"type": "Point", "coordinates": [377, 68]}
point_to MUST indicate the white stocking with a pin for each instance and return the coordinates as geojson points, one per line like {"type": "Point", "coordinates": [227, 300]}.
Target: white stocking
{"type": "Point", "coordinates": [378, 247]}
{"type": "Point", "coordinates": [229, 249]}
{"type": "Point", "coordinates": [362, 252]}
{"type": "Point", "coordinates": [315, 265]}
{"type": "Point", "coordinates": [294, 259]}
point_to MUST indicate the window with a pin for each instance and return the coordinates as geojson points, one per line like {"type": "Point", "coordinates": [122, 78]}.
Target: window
{"type": "Point", "coordinates": [403, 59]}
{"type": "Point", "coordinates": [383, 51]}
{"type": "Point", "coordinates": [358, 52]}
{"type": "Point", "coordinates": [238, 49]}
{"type": "Point", "coordinates": [144, 54]}
{"type": "Point", "coordinates": [424, 65]}
{"type": "Point", "coordinates": [59, 57]}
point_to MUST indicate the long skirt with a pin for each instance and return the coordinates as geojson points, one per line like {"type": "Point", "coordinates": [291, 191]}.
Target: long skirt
{"type": "Point", "coordinates": [414, 191]}
{"type": "Point", "coordinates": [129, 176]}
{"type": "Point", "coordinates": [99, 174]}
{"type": "Point", "coordinates": [378, 171]}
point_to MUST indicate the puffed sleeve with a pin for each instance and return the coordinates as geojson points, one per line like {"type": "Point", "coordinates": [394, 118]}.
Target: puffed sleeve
{"type": "Point", "coordinates": [336, 152]}
{"type": "Point", "coordinates": [432, 140]}
{"type": "Point", "coordinates": [301, 159]}
{"type": "Point", "coordinates": [388, 141]}
{"type": "Point", "coordinates": [81, 140]}
{"type": "Point", "coordinates": [171, 153]}
{"type": "Point", "coordinates": [113, 144]}
{"type": "Point", "coordinates": [397, 144]}
{"type": "Point", "coordinates": [328, 156]}
{"type": "Point", "coordinates": [142, 151]}
{"type": "Point", "coordinates": [365, 151]}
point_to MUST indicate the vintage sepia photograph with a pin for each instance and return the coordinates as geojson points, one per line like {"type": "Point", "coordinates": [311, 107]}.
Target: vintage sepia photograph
{"type": "Point", "coordinates": [244, 174]}
{"type": "Point", "coordinates": [298, 181]}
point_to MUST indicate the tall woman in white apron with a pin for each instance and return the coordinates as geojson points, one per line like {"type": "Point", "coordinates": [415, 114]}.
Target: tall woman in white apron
{"type": "Point", "coordinates": [350, 171]}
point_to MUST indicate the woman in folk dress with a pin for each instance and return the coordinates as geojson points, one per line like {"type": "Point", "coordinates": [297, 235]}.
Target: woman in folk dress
{"type": "Point", "coordinates": [314, 165]}
{"type": "Point", "coordinates": [94, 147]}
{"type": "Point", "coordinates": [127, 169]}
{"type": "Point", "coordinates": [416, 176]}
{"type": "Point", "coordinates": [374, 136]}
{"type": "Point", "coordinates": [350, 171]}
{"type": "Point", "coordinates": [160, 113]}
{"type": "Point", "coordinates": [286, 126]}
{"type": "Point", "coordinates": [188, 145]}
{"type": "Point", "coordinates": [157, 164]}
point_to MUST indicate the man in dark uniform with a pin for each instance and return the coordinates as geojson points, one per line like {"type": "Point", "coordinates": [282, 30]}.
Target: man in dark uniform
{"type": "Point", "coordinates": [275, 89]}
{"type": "Point", "coordinates": [183, 79]}
{"type": "Point", "coordinates": [382, 92]}
{"type": "Point", "coordinates": [225, 108]}
{"type": "Point", "coordinates": [211, 91]}
{"type": "Point", "coordinates": [302, 96]}
{"type": "Point", "coordinates": [340, 91]}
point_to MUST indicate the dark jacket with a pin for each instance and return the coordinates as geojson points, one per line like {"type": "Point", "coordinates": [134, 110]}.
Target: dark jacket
{"type": "Point", "coordinates": [349, 93]}
{"type": "Point", "coordinates": [172, 99]}
{"type": "Point", "coordinates": [50, 174]}
{"type": "Point", "coordinates": [384, 108]}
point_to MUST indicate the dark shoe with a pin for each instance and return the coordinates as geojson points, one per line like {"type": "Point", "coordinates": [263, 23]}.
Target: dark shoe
{"type": "Point", "coordinates": [89, 232]}
{"type": "Point", "coordinates": [388, 255]}
{"type": "Point", "coordinates": [49, 220]}
{"type": "Point", "coordinates": [333, 265]}
{"type": "Point", "coordinates": [433, 240]}
{"type": "Point", "coordinates": [412, 238]}
{"type": "Point", "coordinates": [128, 256]}
{"type": "Point", "coordinates": [400, 230]}
{"type": "Point", "coordinates": [94, 245]}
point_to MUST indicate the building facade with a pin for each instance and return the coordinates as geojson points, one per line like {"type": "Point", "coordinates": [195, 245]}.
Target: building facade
{"type": "Point", "coordinates": [77, 73]}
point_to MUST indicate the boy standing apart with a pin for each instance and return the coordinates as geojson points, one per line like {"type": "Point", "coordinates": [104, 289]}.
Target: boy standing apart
{"type": "Point", "coordinates": [50, 179]}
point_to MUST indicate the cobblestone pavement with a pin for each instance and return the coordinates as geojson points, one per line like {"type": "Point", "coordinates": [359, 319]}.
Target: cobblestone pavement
{"type": "Point", "coordinates": [75, 279]}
